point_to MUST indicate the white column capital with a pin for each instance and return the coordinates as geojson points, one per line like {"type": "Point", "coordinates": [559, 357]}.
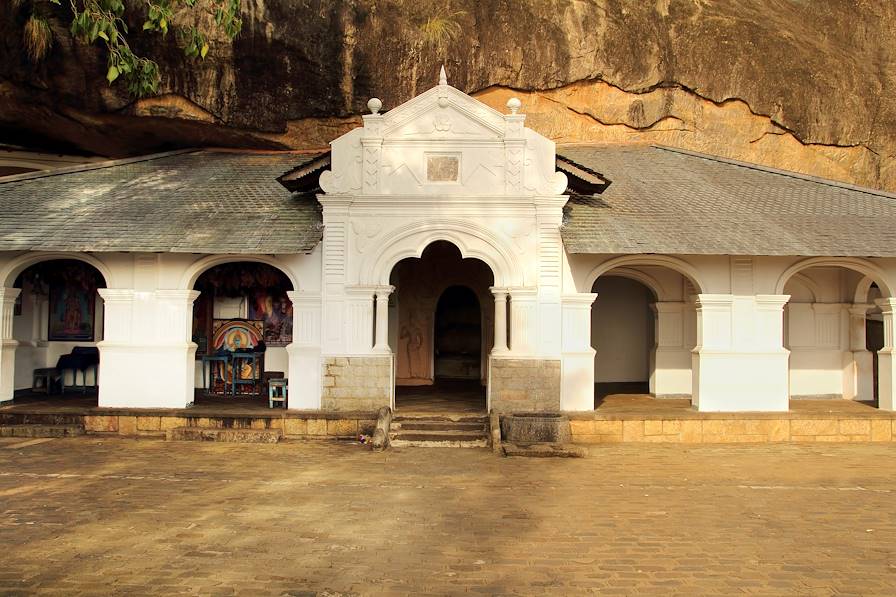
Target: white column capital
{"type": "Point", "coordinates": [887, 305]}
{"type": "Point", "coordinates": [581, 299]}
{"type": "Point", "coordinates": [383, 292]}
{"type": "Point", "coordinates": [116, 295]}
{"type": "Point", "coordinates": [713, 301]}
{"type": "Point", "coordinates": [771, 302]}
{"type": "Point", "coordinates": [667, 306]}
{"type": "Point", "coordinates": [177, 295]}
{"type": "Point", "coordinates": [859, 309]}
{"type": "Point", "coordinates": [303, 297]}
{"type": "Point", "coordinates": [522, 292]}
{"type": "Point", "coordinates": [499, 291]}
{"type": "Point", "coordinates": [9, 295]}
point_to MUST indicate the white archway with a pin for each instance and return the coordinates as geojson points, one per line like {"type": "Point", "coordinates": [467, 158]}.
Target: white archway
{"type": "Point", "coordinates": [11, 271]}
{"type": "Point", "coordinates": [629, 261]}
{"type": "Point", "coordinates": [472, 241]}
{"type": "Point", "coordinates": [861, 266]}
{"type": "Point", "coordinates": [200, 266]}
{"type": "Point", "coordinates": [633, 274]}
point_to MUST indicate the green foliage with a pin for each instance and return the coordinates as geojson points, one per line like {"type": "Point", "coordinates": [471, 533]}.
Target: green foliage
{"type": "Point", "coordinates": [103, 22]}
{"type": "Point", "coordinates": [442, 28]}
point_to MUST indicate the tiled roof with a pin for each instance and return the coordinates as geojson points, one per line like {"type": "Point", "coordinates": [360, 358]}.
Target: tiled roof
{"type": "Point", "coordinates": [664, 200]}
{"type": "Point", "coordinates": [204, 201]}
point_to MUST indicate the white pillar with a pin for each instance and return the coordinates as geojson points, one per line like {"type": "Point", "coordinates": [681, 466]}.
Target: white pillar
{"type": "Point", "coordinates": [886, 358]}
{"type": "Point", "coordinates": [304, 351]}
{"type": "Point", "coordinates": [859, 382]}
{"type": "Point", "coordinates": [500, 320]}
{"type": "Point", "coordinates": [740, 363]}
{"type": "Point", "coordinates": [523, 319]}
{"type": "Point", "coordinates": [146, 356]}
{"type": "Point", "coordinates": [382, 319]}
{"type": "Point", "coordinates": [577, 369]}
{"type": "Point", "coordinates": [670, 374]}
{"type": "Point", "coordinates": [7, 344]}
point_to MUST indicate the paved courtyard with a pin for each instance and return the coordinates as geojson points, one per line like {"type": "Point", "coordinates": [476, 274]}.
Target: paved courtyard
{"type": "Point", "coordinates": [103, 516]}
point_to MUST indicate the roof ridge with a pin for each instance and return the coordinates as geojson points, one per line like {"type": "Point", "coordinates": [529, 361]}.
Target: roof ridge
{"type": "Point", "coordinates": [94, 166]}
{"type": "Point", "coordinates": [753, 166]}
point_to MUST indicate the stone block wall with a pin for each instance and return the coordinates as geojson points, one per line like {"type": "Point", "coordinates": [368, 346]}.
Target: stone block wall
{"type": "Point", "coordinates": [525, 385]}
{"type": "Point", "coordinates": [356, 383]}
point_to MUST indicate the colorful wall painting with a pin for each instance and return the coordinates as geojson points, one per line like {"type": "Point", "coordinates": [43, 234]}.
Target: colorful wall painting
{"type": "Point", "coordinates": [274, 309]}
{"type": "Point", "coordinates": [72, 305]}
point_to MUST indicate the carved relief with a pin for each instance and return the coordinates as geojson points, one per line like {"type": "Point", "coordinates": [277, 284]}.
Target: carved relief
{"type": "Point", "coordinates": [364, 233]}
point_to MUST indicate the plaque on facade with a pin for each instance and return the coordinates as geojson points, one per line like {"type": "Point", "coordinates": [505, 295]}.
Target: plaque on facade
{"type": "Point", "coordinates": [442, 168]}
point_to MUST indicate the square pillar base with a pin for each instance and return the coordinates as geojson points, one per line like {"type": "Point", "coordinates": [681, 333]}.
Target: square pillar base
{"type": "Point", "coordinates": [524, 385]}
{"type": "Point", "coordinates": [356, 383]}
{"type": "Point", "coordinates": [154, 376]}
{"type": "Point", "coordinates": [727, 381]}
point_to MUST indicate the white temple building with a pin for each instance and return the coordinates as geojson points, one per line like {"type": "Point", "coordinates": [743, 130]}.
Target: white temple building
{"type": "Point", "coordinates": [445, 244]}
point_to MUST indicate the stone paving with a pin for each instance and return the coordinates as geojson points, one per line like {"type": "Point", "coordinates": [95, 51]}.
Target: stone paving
{"type": "Point", "coordinates": [100, 516]}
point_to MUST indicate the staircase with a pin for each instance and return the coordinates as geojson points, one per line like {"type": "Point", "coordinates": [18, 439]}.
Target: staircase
{"type": "Point", "coordinates": [439, 431]}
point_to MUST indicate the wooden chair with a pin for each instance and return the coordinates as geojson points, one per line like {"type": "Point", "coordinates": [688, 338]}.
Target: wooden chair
{"type": "Point", "coordinates": [277, 391]}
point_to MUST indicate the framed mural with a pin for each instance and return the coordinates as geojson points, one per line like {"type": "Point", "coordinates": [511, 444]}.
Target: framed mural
{"type": "Point", "coordinates": [72, 304]}
{"type": "Point", "coordinates": [274, 310]}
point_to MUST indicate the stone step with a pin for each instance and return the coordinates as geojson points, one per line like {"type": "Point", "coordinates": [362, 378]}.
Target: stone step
{"type": "Point", "coordinates": [447, 418]}
{"type": "Point", "coordinates": [428, 425]}
{"type": "Point", "coordinates": [40, 430]}
{"type": "Point", "coordinates": [444, 442]}
{"type": "Point", "coordinates": [234, 435]}
{"type": "Point", "coordinates": [445, 438]}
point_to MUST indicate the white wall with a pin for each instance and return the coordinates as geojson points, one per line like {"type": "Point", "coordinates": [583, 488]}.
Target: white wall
{"type": "Point", "coordinates": [621, 330]}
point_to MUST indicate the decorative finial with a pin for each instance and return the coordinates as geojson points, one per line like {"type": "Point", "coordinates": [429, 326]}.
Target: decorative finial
{"type": "Point", "coordinates": [374, 105]}
{"type": "Point", "coordinates": [514, 105]}
{"type": "Point", "coordinates": [443, 78]}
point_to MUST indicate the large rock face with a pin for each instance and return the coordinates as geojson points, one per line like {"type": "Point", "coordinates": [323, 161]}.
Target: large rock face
{"type": "Point", "coordinates": [795, 84]}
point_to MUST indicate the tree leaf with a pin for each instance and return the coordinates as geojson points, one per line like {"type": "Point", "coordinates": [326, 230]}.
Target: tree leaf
{"type": "Point", "coordinates": [112, 74]}
{"type": "Point", "coordinates": [204, 50]}
{"type": "Point", "coordinates": [103, 35]}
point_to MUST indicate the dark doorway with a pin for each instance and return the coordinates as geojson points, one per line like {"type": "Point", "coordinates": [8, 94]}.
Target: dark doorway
{"type": "Point", "coordinates": [458, 335]}
{"type": "Point", "coordinates": [874, 341]}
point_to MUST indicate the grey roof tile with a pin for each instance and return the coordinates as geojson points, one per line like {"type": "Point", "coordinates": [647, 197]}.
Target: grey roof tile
{"type": "Point", "coordinates": [664, 200]}
{"type": "Point", "coordinates": [204, 201]}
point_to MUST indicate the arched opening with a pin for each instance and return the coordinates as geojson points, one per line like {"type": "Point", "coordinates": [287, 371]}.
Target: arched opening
{"type": "Point", "coordinates": [242, 323]}
{"type": "Point", "coordinates": [833, 339]}
{"type": "Point", "coordinates": [57, 321]}
{"type": "Point", "coordinates": [643, 330]}
{"type": "Point", "coordinates": [440, 335]}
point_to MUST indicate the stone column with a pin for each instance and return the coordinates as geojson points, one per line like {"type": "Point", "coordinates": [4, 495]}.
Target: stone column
{"type": "Point", "coordinates": [861, 384]}
{"type": "Point", "coordinates": [305, 351]}
{"type": "Point", "coordinates": [500, 320]}
{"type": "Point", "coordinates": [7, 344]}
{"type": "Point", "coordinates": [886, 358]}
{"type": "Point", "coordinates": [577, 372]}
{"type": "Point", "coordinates": [382, 319]}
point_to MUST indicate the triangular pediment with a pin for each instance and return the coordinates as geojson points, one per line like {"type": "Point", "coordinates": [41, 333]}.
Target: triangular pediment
{"type": "Point", "coordinates": [443, 112]}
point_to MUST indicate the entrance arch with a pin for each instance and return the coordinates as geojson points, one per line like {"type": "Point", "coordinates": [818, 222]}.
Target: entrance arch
{"type": "Point", "coordinates": [437, 318]}
{"type": "Point", "coordinates": [830, 358]}
{"type": "Point", "coordinates": [57, 322]}
{"type": "Point", "coordinates": [243, 307]}
{"type": "Point", "coordinates": [643, 327]}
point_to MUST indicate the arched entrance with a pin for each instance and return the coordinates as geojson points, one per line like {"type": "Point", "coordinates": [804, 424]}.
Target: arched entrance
{"type": "Point", "coordinates": [242, 323]}
{"type": "Point", "coordinates": [57, 321]}
{"type": "Point", "coordinates": [643, 329]}
{"type": "Point", "coordinates": [440, 334]}
{"type": "Point", "coordinates": [833, 328]}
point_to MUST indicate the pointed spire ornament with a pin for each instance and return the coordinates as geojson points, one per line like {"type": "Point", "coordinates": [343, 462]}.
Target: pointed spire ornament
{"type": "Point", "coordinates": [443, 78]}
